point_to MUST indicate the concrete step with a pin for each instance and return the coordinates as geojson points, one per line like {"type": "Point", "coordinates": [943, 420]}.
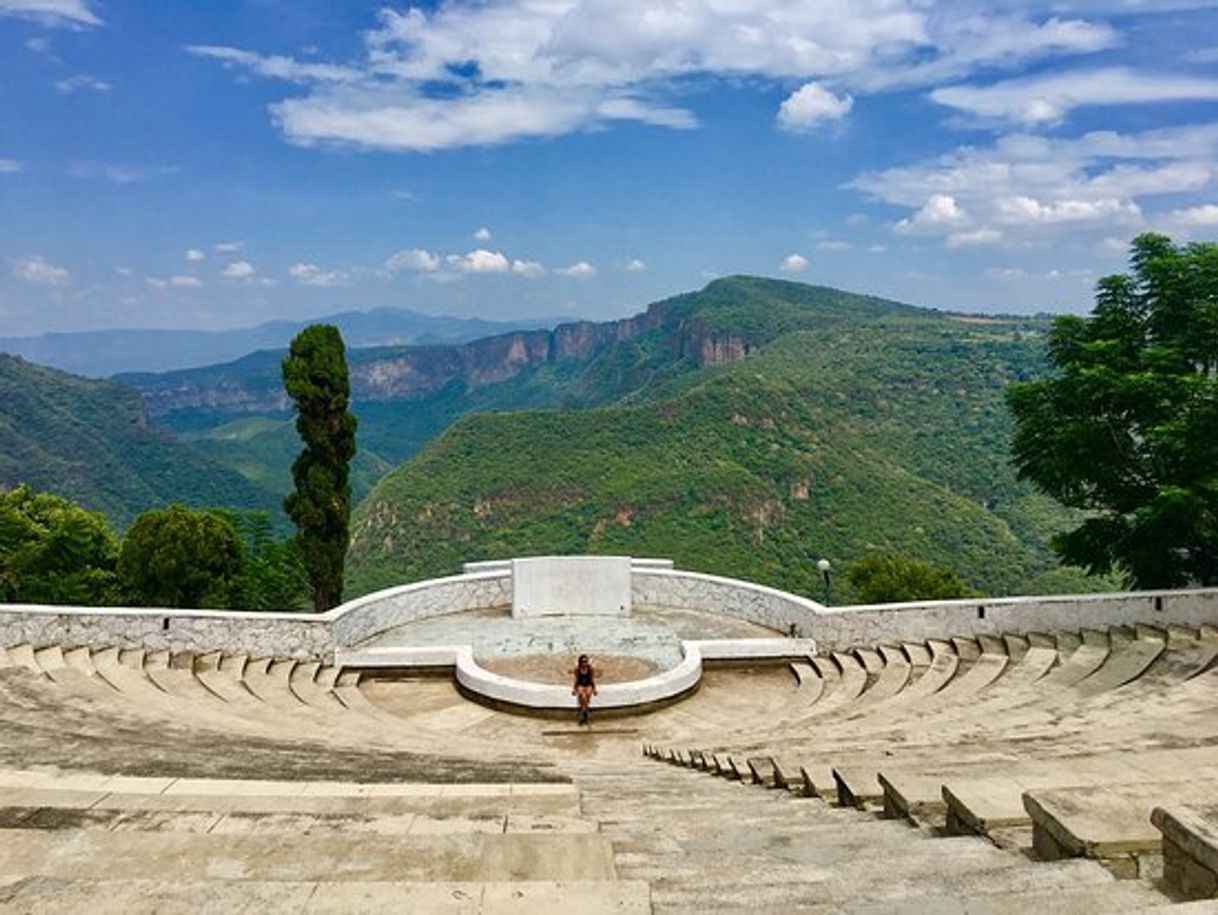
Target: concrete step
{"type": "Point", "coordinates": [1190, 847]}
{"type": "Point", "coordinates": [1111, 822]}
{"type": "Point", "coordinates": [99, 854]}
{"type": "Point", "coordinates": [917, 789]}
{"type": "Point", "coordinates": [1089, 900]}
{"type": "Point", "coordinates": [168, 897]}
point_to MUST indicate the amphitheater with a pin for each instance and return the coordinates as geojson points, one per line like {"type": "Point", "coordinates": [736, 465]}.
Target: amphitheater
{"type": "Point", "coordinates": [415, 750]}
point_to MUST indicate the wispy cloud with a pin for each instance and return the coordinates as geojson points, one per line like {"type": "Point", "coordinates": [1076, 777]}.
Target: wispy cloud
{"type": "Point", "coordinates": [8, 166]}
{"type": "Point", "coordinates": [1048, 99]}
{"type": "Point", "coordinates": [60, 13]}
{"type": "Point", "coordinates": [39, 271]}
{"type": "Point", "coordinates": [278, 67]}
{"type": "Point", "coordinates": [80, 82]}
{"type": "Point", "coordinates": [119, 172]}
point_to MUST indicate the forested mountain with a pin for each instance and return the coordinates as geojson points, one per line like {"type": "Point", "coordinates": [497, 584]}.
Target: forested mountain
{"type": "Point", "coordinates": [91, 441]}
{"type": "Point", "coordinates": [748, 429]}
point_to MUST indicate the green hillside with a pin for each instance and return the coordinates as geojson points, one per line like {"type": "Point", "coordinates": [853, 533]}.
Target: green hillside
{"type": "Point", "coordinates": [852, 425]}
{"type": "Point", "coordinates": [90, 441]}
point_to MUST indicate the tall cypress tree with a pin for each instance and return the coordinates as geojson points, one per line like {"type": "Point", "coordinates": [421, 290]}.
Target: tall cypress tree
{"type": "Point", "coordinates": [315, 377]}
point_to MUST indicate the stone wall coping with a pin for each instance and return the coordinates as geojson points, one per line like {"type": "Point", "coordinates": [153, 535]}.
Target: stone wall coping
{"type": "Point", "coordinates": [806, 603]}
{"type": "Point", "coordinates": [1016, 601]}
{"type": "Point", "coordinates": [300, 616]}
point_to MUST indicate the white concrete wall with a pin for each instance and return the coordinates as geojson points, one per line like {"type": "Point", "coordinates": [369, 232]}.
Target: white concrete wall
{"type": "Point", "coordinates": [564, 585]}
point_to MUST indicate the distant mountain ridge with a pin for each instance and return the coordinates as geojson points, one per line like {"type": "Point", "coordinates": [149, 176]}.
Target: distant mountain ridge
{"type": "Point", "coordinates": [252, 384]}
{"type": "Point", "coordinates": [103, 353]}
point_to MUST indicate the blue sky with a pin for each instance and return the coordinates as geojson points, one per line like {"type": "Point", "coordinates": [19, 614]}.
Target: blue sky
{"type": "Point", "coordinates": [219, 163]}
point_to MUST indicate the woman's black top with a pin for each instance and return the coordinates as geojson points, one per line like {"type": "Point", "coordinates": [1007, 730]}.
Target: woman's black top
{"type": "Point", "coordinates": [583, 677]}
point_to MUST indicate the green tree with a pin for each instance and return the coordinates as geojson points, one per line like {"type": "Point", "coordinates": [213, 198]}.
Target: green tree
{"type": "Point", "coordinates": [53, 551]}
{"type": "Point", "coordinates": [1126, 428]}
{"type": "Point", "coordinates": [890, 579]}
{"type": "Point", "coordinates": [179, 557]}
{"type": "Point", "coordinates": [272, 577]}
{"type": "Point", "coordinates": [315, 377]}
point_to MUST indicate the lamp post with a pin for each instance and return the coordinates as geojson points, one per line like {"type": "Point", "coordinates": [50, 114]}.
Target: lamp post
{"type": "Point", "coordinates": [826, 575]}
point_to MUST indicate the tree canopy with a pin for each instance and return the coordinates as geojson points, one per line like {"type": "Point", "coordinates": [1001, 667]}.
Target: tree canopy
{"type": "Point", "coordinates": [315, 377]}
{"type": "Point", "coordinates": [179, 557]}
{"type": "Point", "coordinates": [1126, 428]}
{"type": "Point", "coordinates": [53, 551]}
{"type": "Point", "coordinates": [880, 579]}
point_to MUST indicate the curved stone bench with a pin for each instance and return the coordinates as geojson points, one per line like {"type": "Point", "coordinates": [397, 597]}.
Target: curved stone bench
{"type": "Point", "coordinates": [483, 684]}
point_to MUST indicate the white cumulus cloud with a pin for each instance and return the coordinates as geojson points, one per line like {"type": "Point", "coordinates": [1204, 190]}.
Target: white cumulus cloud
{"type": "Point", "coordinates": [1040, 190]}
{"type": "Point", "coordinates": [11, 165]}
{"type": "Point", "coordinates": [483, 234]}
{"type": "Point", "coordinates": [226, 247]}
{"type": "Point", "coordinates": [313, 275]}
{"type": "Point", "coordinates": [415, 259]}
{"type": "Point", "coordinates": [453, 74]}
{"type": "Point", "coordinates": [1203, 215]}
{"type": "Point", "coordinates": [810, 106]}
{"type": "Point", "coordinates": [239, 270]}
{"type": "Point", "coordinates": [479, 261]}
{"type": "Point", "coordinates": [580, 270]}
{"type": "Point", "coordinates": [635, 265]}
{"type": "Point", "coordinates": [185, 281]}
{"type": "Point", "coordinates": [939, 210]}
{"type": "Point", "coordinates": [194, 255]}
{"type": "Point", "coordinates": [41, 272]}
{"type": "Point", "coordinates": [793, 263]}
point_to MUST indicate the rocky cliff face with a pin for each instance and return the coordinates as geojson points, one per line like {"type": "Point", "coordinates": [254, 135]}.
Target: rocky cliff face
{"type": "Point", "coordinates": [402, 373]}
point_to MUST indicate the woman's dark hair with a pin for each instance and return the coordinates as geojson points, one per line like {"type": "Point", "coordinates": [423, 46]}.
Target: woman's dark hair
{"type": "Point", "coordinates": [583, 659]}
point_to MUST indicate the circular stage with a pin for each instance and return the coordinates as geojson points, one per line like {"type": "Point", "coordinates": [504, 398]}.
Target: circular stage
{"type": "Point", "coordinates": [544, 649]}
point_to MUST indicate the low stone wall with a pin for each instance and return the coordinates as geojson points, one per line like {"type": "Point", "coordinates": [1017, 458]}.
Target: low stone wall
{"type": "Point", "coordinates": [257, 634]}
{"type": "Point", "coordinates": [839, 627]}
{"type": "Point", "coordinates": [654, 585]}
{"type": "Point", "coordinates": [364, 617]}
{"type": "Point", "coordinates": [658, 588]}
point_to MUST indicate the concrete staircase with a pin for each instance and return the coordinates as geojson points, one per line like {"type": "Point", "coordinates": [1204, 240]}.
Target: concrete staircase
{"type": "Point", "coordinates": [180, 845]}
{"type": "Point", "coordinates": [986, 775]}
